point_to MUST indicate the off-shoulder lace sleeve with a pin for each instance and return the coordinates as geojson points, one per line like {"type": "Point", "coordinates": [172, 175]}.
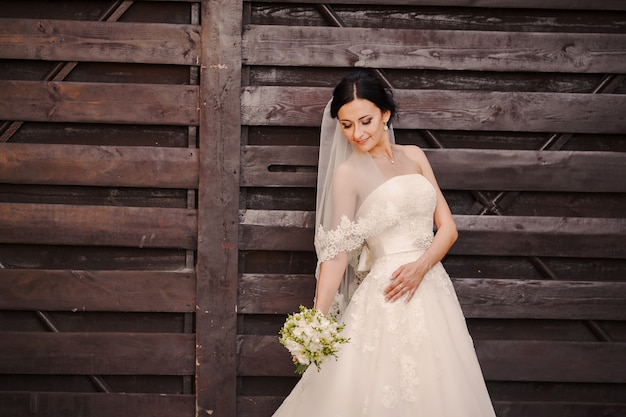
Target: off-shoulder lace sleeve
{"type": "Point", "coordinates": [347, 236]}
{"type": "Point", "coordinates": [350, 235]}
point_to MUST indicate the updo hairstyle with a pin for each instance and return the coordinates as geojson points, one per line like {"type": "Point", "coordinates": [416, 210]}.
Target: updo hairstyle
{"type": "Point", "coordinates": [362, 85]}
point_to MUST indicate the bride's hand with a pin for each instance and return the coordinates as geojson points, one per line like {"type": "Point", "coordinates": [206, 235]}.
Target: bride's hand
{"type": "Point", "coordinates": [404, 282]}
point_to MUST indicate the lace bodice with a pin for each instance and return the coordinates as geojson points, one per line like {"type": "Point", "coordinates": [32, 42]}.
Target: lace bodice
{"type": "Point", "coordinates": [395, 217]}
{"type": "Point", "coordinates": [409, 224]}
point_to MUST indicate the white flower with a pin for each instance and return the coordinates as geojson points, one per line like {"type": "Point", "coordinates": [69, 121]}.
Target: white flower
{"type": "Point", "coordinates": [311, 337]}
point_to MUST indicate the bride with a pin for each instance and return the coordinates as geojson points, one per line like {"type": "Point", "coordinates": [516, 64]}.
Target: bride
{"type": "Point", "coordinates": [379, 271]}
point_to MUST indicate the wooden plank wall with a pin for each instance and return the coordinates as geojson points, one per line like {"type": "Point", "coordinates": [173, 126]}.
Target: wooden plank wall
{"type": "Point", "coordinates": [520, 107]}
{"type": "Point", "coordinates": [155, 218]}
{"type": "Point", "coordinates": [111, 207]}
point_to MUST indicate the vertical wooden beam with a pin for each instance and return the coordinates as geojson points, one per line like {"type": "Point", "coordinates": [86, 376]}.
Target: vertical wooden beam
{"type": "Point", "coordinates": [218, 204]}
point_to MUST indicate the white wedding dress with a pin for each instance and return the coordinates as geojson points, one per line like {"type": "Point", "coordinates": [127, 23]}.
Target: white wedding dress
{"type": "Point", "coordinates": [413, 359]}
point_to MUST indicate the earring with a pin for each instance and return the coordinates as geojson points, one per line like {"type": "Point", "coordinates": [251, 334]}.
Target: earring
{"type": "Point", "coordinates": [385, 127]}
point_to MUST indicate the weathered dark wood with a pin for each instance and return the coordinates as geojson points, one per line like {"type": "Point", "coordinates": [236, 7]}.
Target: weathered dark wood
{"type": "Point", "coordinates": [136, 73]}
{"type": "Point", "coordinates": [513, 267]}
{"type": "Point", "coordinates": [98, 102]}
{"type": "Point", "coordinates": [540, 236]}
{"type": "Point", "coordinates": [479, 235]}
{"type": "Point", "coordinates": [257, 406]}
{"type": "Point", "coordinates": [59, 40]}
{"type": "Point", "coordinates": [276, 230]}
{"type": "Point", "coordinates": [450, 110]}
{"type": "Point", "coordinates": [479, 298]}
{"type": "Point", "coordinates": [541, 299]}
{"type": "Point", "coordinates": [53, 404]}
{"type": "Point", "coordinates": [458, 169]}
{"type": "Point", "coordinates": [150, 291]}
{"type": "Point", "coordinates": [92, 322]}
{"type": "Point", "coordinates": [438, 18]}
{"type": "Point", "coordinates": [55, 224]}
{"type": "Point", "coordinates": [121, 166]}
{"type": "Point", "coordinates": [285, 166]}
{"type": "Point", "coordinates": [218, 204]}
{"type": "Point", "coordinates": [557, 408]}
{"type": "Point", "coordinates": [276, 359]}
{"type": "Point", "coordinates": [98, 135]}
{"type": "Point", "coordinates": [434, 49]}
{"type": "Point", "coordinates": [586, 361]}
{"type": "Point", "coordinates": [500, 360]}
{"type": "Point", "coordinates": [523, 4]}
{"type": "Point", "coordinates": [97, 353]}
{"type": "Point", "coordinates": [274, 294]}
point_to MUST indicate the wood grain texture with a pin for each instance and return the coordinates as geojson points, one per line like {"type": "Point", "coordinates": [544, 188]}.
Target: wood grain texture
{"type": "Point", "coordinates": [56, 224]}
{"type": "Point", "coordinates": [523, 4]}
{"type": "Point", "coordinates": [98, 102]}
{"type": "Point", "coordinates": [66, 40]}
{"type": "Point", "coordinates": [218, 203]}
{"type": "Point", "coordinates": [50, 404]}
{"type": "Point", "coordinates": [103, 166]}
{"type": "Point", "coordinates": [63, 290]}
{"type": "Point", "coordinates": [434, 49]}
{"type": "Point", "coordinates": [97, 353]}
{"type": "Point", "coordinates": [450, 110]}
{"type": "Point", "coordinates": [458, 169]}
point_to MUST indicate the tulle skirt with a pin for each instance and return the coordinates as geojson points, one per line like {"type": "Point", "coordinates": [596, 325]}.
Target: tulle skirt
{"type": "Point", "coordinates": [403, 359]}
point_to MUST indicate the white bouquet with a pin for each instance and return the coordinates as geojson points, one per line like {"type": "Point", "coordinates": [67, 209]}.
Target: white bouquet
{"type": "Point", "coordinates": [310, 337]}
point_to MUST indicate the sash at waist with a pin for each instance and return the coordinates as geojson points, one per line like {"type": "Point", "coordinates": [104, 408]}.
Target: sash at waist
{"type": "Point", "coordinates": [379, 248]}
{"type": "Point", "coordinates": [382, 252]}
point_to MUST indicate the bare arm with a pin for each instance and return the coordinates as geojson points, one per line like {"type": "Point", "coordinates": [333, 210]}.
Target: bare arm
{"type": "Point", "coordinates": [330, 276]}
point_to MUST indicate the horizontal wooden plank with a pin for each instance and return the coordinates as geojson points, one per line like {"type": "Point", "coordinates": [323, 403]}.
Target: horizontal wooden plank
{"type": "Point", "coordinates": [103, 166]}
{"type": "Point", "coordinates": [457, 169]}
{"type": "Point", "coordinates": [279, 166]}
{"type": "Point", "coordinates": [557, 408]}
{"type": "Point", "coordinates": [450, 110]}
{"type": "Point", "coordinates": [479, 298]}
{"type": "Point", "coordinates": [74, 40]}
{"type": "Point", "coordinates": [478, 235]}
{"type": "Point", "coordinates": [53, 404]}
{"type": "Point", "coordinates": [264, 406]}
{"type": "Point", "coordinates": [97, 353]}
{"type": "Point", "coordinates": [541, 299]}
{"type": "Point", "coordinates": [62, 290]}
{"type": "Point", "coordinates": [434, 49]}
{"type": "Point", "coordinates": [516, 170]}
{"type": "Point", "coordinates": [257, 405]}
{"type": "Point", "coordinates": [274, 294]}
{"type": "Point", "coordinates": [599, 362]}
{"type": "Point", "coordinates": [517, 4]}
{"type": "Point", "coordinates": [276, 230]}
{"type": "Point", "coordinates": [99, 103]}
{"type": "Point", "coordinates": [57, 224]}
{"type": "Point", "coordinates": [501, 360]}
{"type": "Point", "coordinates": [540, 236]}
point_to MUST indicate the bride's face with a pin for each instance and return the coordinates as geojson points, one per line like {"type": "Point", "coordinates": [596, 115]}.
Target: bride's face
{"type": "Point", "coordinates": [362, 123]}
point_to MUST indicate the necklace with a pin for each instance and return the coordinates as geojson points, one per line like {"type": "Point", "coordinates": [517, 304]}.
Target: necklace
{"type": "Point", "coordinates": [392, 159]}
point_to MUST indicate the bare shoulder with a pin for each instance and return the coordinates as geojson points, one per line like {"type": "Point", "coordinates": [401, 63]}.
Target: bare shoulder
{"type": "Point", "coordinates": [415, 153]}
{"type": "Point", "coordinates": [343, 174]}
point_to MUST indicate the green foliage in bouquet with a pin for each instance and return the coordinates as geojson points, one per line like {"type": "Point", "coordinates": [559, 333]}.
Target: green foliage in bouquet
{"type": "Point", "coordinates": [311, 337]}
